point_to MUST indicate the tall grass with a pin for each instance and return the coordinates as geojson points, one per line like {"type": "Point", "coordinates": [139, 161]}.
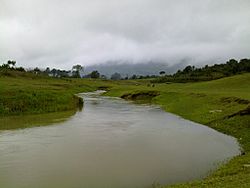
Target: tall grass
{"type": "Point", "coordinates": [26, 93]}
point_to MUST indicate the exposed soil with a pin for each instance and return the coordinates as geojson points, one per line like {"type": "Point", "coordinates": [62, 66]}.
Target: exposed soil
{"type": "Point", "coordinates": [142, 95]}
{"type": "Point", "coordinates": [106, 88]}
{"type": "Point", "coordinates": [243, 112]}
{"type": "Point", "coordinates": [234, 99]}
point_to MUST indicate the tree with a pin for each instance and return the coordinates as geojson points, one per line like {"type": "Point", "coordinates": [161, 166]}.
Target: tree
{"type": "Point", "coordinates": [21, 69]}
{"type": "Point", "coordinates": [162, 72]}
{"type": "Point", "coordinates": [77, 70]}
{"type": "Point", "coordinates": [54, 72]}
{"type": "Point", "coordinates": [116, 76]}
{"type": "Point", "coordinates": [188, 69]}
{"type": "Point", "coordinates": [95, 74]}
{"type": "Point", "coordinates": [232, 66]}
{"type": "Point", "coordinates": [5, 66]}
{"type": "Point", "coordinates": [47, 70]}
{"type": "Point", "coordinates": [37, 70]}
{"type": "Point", "coordinates": [134, 77]}
{"type": "Point", "coordinates": [11, 63]}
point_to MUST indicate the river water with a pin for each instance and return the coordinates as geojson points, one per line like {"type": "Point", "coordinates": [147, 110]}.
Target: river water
{"type": "Point", "coordinates": [111, 143]}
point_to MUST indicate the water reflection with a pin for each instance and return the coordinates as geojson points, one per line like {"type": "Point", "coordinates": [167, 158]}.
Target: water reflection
{"type": "Point", "coordinates": [81, 106]}
{"type": "Point", "coordinates": [27, 121]}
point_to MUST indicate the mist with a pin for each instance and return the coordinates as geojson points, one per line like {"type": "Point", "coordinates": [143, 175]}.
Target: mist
{"type": "Point", "coordinates": [60, 33]}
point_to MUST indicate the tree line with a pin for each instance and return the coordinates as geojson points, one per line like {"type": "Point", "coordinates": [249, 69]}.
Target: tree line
{"type": "Point", "coordinates": [188, 74]}
{"type": "Point", "coordinates": [77, 71]}
{"type": "Point", "coordinates": [206, 73]}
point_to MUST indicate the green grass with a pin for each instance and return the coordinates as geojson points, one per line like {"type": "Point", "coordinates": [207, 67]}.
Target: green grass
{"type": "Point", "coordinates": [36, 94]}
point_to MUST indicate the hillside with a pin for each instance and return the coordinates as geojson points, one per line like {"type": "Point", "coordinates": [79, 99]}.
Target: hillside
{"type": "Point", "coordinates": [213, 72]}
{"type": "Point", "coordinates": [130, 69]}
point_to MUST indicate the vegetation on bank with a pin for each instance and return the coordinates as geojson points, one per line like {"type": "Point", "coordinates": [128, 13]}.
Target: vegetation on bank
{"type": "Point", "coordinates": [27, 93]}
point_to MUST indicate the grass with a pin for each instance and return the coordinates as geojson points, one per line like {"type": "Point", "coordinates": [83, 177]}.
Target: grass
{"type": "Point", "coordinates": [215, 103]}
{"type": "Point", "coordinates": [35, 94]}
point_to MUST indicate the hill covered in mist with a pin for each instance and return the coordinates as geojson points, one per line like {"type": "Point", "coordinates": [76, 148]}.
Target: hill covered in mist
{"type": "Point", "coordinates": [129, 69]}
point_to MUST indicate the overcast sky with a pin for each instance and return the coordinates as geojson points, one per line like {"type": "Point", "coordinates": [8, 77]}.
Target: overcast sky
{"type": "Point", "coordinates": [60, 33]}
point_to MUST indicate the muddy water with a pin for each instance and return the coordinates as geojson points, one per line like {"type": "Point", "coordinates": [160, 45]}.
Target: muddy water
{"type": "Point", "coordinates": [111, 143]}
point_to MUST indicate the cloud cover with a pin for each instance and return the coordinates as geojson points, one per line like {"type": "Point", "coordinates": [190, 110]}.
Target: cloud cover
{"type": "Point", "coordinates": [60, 33]}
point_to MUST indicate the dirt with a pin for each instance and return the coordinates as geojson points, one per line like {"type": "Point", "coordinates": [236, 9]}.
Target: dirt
{"type": "Point", "coordinates": [142, 95]}
{"type": "Point", "coordinates": [106, 88]}
{"type": "Point", "coordinates": [234, 99]}
{"type": "Point", "coordinates": [243, 112]}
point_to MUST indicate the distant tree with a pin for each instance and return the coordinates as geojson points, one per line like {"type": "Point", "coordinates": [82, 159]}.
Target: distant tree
{"type": "Point", "coordinates": [11, 63]}
{"type": "Point", "coordinates": [76, 70]}
{"type": "Point", "coordinates": [21, 69]}
{"type": "Point", "coordinates": [36, 70]}
{"type": "Point", "coordinates": [95, 74]}
{"type": "Point", "coordinates": [5, 66]}
{"type": "Point", "coordinates": [188, 69]}
{"type": "Point", "coordinates": [244, 65]}
{"type": "Point", "coordinates": [54, 72]}
{"type": "Point", "coordinates": [116, 76]}
{"type": "Point", "coordinates": [47, 70]}
{"type": "Point", "coordinates": [133, 77]}
{"type": "Point", "coordinates": [216, 71]}
{"type": "Point", "coordinates": [232, 62]}
{"type": "Point", "coordinates": [178, 73]}
{"type": "Point", "coordinates": [162, 72]}
{"type": "Point", "coordinates": [64, 73]}
{"type": "Point", "coordinates": [232, 66]}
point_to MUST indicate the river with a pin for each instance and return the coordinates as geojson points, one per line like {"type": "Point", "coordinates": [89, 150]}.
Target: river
{"type": "Point", "coordinates": [112, 143]}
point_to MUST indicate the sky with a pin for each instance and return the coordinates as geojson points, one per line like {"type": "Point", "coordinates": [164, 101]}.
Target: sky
{"type": "Point", "coordinates": [61, 33]}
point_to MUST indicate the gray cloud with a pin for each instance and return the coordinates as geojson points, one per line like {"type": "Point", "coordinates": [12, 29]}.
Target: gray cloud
{"type": "Point", "coordinates": [60, 33]}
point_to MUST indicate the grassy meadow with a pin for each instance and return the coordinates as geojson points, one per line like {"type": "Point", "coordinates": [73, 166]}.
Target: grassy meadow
{"type": "Point", "coordinates": [220, 104]}
{"type": "Point", "coordinates": [31, 94]}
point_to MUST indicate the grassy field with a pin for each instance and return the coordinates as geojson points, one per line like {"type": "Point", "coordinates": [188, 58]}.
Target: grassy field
{"type": "Point", "coordinates": [221, 104]}
{"type": "Point", "coordinates": [30, 94]}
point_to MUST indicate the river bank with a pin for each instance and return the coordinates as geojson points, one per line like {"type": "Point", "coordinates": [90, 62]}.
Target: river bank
{"type": "Point", "coordinates": [25, 95]}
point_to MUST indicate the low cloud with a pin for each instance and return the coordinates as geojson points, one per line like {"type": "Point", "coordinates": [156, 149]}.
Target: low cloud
{"type": "Point", "coordinates": [60, 33]}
